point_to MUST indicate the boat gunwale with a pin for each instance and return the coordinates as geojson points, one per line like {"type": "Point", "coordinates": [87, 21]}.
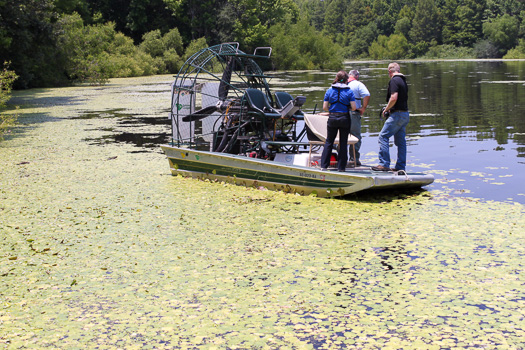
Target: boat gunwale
{"type": "Point", "coordinates": [352, 171]}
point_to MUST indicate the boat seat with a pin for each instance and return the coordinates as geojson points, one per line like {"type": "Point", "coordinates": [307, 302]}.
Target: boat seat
{"type": "Point", "coordinates": [277, 123]}
{"type": "Point", "coordinates": [282, 98]}
{"type": "Point", "coordinates": [258, 104]}
{"type": "Point", "coordinates": [289, 106]}
{"type": "Point", "coordinates": [317, 124]}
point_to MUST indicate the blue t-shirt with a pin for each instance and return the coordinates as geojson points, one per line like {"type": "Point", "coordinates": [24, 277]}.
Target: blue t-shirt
{"type": "Point", "coordinates": [339, 96]}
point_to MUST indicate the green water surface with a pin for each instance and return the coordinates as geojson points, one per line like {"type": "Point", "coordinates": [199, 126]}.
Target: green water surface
{"type": "Point", "coordinates": [102, 248]}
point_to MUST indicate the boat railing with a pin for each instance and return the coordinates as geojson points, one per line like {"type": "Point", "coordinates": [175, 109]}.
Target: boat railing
{"type": "Point", "coordinates": [263, 48]}
{"type": "Point", "coordinates": [233, 44]}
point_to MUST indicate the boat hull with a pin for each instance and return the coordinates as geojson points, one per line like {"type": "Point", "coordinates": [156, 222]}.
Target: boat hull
{"type": "Point", "coordinates": [254, 172]}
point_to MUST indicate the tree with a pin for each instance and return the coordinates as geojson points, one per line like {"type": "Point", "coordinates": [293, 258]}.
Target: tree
{"type": "Point", "coordinates": [497, 8]}
{"type": "Point", "coordinates": [7, 121]}
{"type": "Point", "coordinates": [403, 26]}
{"type": "Point", "coordinates": [97, 52]}
{"type": "Point", "coordinates": [301, 46]}
{"type": "Point", "coordinates": [518, 52]}
{"type": "Point", "coordinates": [462, 22]}
{"type": "Point", "coordinates": [503, 32]}
{"type": "Point", "coordinates": [165, 49]}
{"type": "Point", "coordinates": [173, 40]}
{"type": "Point", "coordinates": [486, 49]}
{"type": "Point", "coordinates": [251, 19]}
{"type": "Point", "coordinates": [245, 21]}
{"type": "Point", "coordinates": [194, 47]}
{"type": "Point", "coordinates": [314, 12]}
{"type": "Point", "coordinates": [360, 40]}
{"type": "Point", "coordinates": [389, 48]}
{"type": "Point", "coordinates": [426, 23]}
{"type": "Point", "coordinates": [359, 14]}
{"type": "Point", "coordinates": [198, 18]}
{"type": "Point", "coordinates": [153, 44]}
{"type": "Point", "coordinates": [134, 18]}
{"type": "Point", "coordinates": [27, 39]}
{"type": "Point", "coordinates": [69, 7]}
{"type": "Point", "coordinates": [334, 18]}
{"type": "Point", "coordinates": [386, 15]}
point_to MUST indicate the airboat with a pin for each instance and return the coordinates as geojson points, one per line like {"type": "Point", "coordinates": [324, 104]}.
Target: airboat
{"type": "Point", "coordinates": [227, 125]}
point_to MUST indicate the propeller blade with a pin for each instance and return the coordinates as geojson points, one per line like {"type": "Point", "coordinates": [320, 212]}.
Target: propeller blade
{"type": "Point", "coordinates": [200, 114]}
{"type": "Point", "coordinates": [224, 85]}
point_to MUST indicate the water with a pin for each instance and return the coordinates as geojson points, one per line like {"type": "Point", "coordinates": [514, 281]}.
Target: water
{"type": "Point", "coordinates": [467, 125]}
{"type": "Point", "coordinates": [103, 248]}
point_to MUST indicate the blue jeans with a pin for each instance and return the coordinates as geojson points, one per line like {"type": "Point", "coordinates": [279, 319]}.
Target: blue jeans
{"type": "Point", "coordinates": [395, 126]}
{"type": "Point", "coordinates": [355, 129]}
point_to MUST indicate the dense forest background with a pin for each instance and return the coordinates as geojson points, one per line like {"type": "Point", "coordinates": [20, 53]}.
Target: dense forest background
{"type": "Point", "coordinates": [59, 42]}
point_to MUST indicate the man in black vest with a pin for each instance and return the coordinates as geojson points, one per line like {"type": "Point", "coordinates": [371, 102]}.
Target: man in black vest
{"type": "Point", "coordinates": [397, 118]}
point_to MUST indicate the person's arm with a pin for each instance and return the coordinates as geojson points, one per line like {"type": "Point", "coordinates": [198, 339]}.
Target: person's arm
{"type": "Point", "coordinates": [326, 105]}
{"type": "Point", "coordinates": [364, 104]}
{"type": "Point", "coordinates": [352, 105]}
{"type": "Point", "coordinates": [391, 102]}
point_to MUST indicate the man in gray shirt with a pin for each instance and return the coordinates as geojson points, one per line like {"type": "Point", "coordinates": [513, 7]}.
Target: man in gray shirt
{"type": "Point", "coordinates": [362, 97]}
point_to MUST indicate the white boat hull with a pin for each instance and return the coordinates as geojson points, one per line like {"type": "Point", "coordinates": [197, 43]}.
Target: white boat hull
{"type": "Point", "coordinates": [254, 172]}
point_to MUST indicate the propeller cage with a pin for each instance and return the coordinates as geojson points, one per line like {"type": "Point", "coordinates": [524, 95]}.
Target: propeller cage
{"type": "Point", "coordinates": [209, 108]}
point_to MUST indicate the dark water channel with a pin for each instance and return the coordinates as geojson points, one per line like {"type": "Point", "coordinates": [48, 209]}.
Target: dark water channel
{"type": "Point", "coordinates": [130, 130]}
{"type": "Point", "coordinates": [467, 121]}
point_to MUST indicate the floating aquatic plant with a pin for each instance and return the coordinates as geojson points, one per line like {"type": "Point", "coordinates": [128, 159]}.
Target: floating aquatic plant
{"type": "Point", "coordinates": [102, 247]}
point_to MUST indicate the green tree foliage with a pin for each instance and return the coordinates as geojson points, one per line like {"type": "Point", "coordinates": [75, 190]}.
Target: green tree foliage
{"type": "Point", "coordinates": [54, 42]}
{"type": "Point", "coordinates": [167, 50]}
{"type": "Point", "coordinates": [198, 18]}
{"type": "Point", "coordinates": [448, 51]}
{"type": "Point", "coordinates": [393, 47]}
{"type": "Point", "coordinates": [485, 49]}
{"type": "Point", "coordinates": [98, 52]}
{"type": "Point", "coordinates": [462, 24]}
{"type": "Point", "coordinates": [359, 41]}
{"type": "Point", "coordinates": [425, 27]}
{"type": "Point", "coordinates": [359, 15]}
{"type": "Point", "coordinates": [27, 39]}
{"type": "Point", "coordinates": [71, 6]}
{"type": "Point", "coordinates": [153, 44]}
{"type": "Point", "coordinates": [301, 46]}
{"type": "Point", "coordinates": [244, 21]}
{"type": "Point", "coordinates": [7, 121]}
{"type": "Point", "coordinates": [313, 11]}
{"type": "Point", "coordinates": [497, 8]}
{"type": "Point", "coordinates": [426, 22]}
{"type": "Point", "coordinates": [194, 47]}
{"type": "Point", "coordinates": [518, 52]}
{"type": "Point", "coordinates": [403, 26]}
{"type": "Point", "coordinates": [386, 14]}
{"type": "Point", "coordinates": [502, 31]}
{"type": "Point", "coordinates": [335, 19]}
{"type": "Point", "coordinates": [252, 18]}
{"type": "Point", "coordinates": [134, 18]}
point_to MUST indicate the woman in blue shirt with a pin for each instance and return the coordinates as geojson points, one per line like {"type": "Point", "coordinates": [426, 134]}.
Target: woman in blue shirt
{"type": "Point", "coordinates": [338, 101]}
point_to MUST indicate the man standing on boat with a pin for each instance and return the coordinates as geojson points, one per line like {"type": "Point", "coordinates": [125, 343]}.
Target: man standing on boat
{"type": "Point", "coordinates": [362, 97]}
{"type": "Point", "coordinates": [397, 118]}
